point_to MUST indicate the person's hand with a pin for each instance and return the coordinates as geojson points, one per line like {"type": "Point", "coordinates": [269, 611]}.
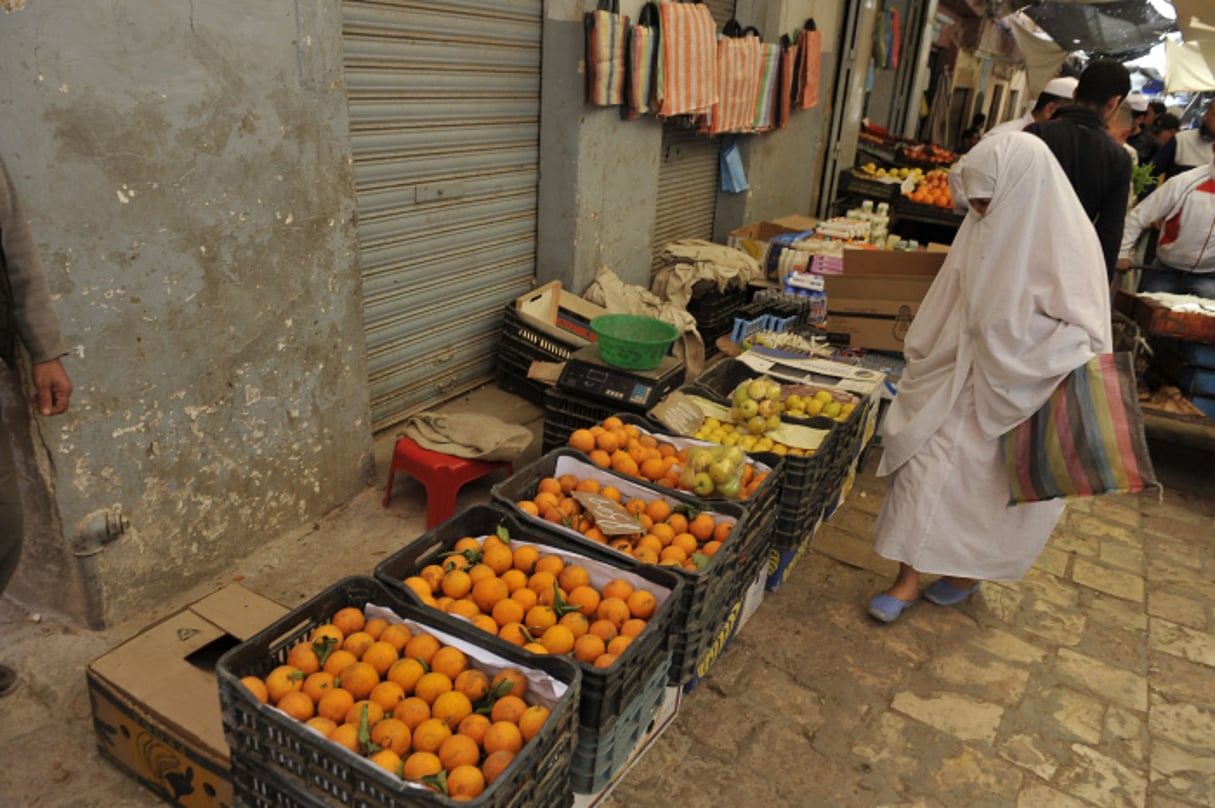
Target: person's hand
{"type": "Point", "coordinates": [54, 388]}
{"type": "Point", "coordinates": [1122, 264]}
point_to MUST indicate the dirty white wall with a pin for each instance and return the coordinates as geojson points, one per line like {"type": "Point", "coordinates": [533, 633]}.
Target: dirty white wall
{"type": "Point", "coordinates": [186, 169]}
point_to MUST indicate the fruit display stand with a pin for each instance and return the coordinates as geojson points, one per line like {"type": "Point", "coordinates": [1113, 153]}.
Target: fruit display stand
{"type": "Point", "coordinates": [706, 600]}
{"type": "Point", "coordinates": [278, 760]}
{"type": "Point", "coordinates": [606, 692]}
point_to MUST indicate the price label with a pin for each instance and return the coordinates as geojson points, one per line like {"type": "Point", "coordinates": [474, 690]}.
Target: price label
{"type": "Point", "coordinates": [610, 518]}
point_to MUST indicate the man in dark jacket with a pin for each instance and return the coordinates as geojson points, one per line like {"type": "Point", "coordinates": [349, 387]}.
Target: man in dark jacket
{"type": "Point", "coordinates": [26, 315]}
{"type": "Point", "coordinates": [1099, 169]}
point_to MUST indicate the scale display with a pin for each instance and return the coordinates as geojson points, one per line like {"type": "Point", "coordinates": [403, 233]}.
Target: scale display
{"type": "Point", "coordinates": [586, 374]}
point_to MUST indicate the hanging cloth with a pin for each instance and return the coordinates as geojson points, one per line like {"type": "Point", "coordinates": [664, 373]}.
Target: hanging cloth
{"type": "Point", "coordinates": [811, 40]}
{"type": "Point", "coordinates": [642, 55]}
{"type": "Point", "coordinates": [688, 58]}
{"type": "Point", "coordinates": [894, 39]}
{"type": "Point", "coordinates": [738, 65]}
{"type": "Point", "coordinates": [881, 53]}
{"type": "Point", "coordinates": [787, 86]}
{"type": "Point", "coordinates": [605, 62]}
{"type": "Point", "coordinates": [769, 81]}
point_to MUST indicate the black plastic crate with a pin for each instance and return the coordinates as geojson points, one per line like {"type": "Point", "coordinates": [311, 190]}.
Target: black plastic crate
{"type": "Point", "coordinates": [606, 692]}
{"type": "Point", "coordinates": [263, 740]}
{"type": "Point", "coordinates": [515, 359]}
{"type": "Point", "coordinates": [935, 214]}
{"type": "Point", "coordinates": [853, 184]}
{"type": "Point", "coordinates": [554, 348]}
{"type": "Point", "coordinates": [703, 588]}
{"type": "Point", "coordinates": [599, 756]}
{"type": "Point", "coordinates": [564, 413]}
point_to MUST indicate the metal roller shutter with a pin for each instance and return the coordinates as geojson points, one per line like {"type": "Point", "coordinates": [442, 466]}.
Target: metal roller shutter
{"type": "Point", "coordinates": [444, 102]}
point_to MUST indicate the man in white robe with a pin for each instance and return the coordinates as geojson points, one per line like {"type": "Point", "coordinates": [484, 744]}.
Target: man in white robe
{"type": "Point", "coordinates": [1007, 318]}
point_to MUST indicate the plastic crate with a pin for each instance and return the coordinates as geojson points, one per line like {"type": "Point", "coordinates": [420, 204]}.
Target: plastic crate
{"type": "Point", "coordinates": [935, 214]}
{"type": "Point", "coordinates": [554, 348]}
{"type": "Point", "coordinates": [703, 588]}
{"type": "Point", "coordinates": [263, 740]}
{"type": "Point", "coordinates": [606, 692]}
{"type": "Point", "coordinates": [515, 357]}
{"type": "Point", "coordinates": [853, 184]}
{"type": "Point", "coordinates": [599, 756]}
{"type": "Point", "coordinates": [563, 413]}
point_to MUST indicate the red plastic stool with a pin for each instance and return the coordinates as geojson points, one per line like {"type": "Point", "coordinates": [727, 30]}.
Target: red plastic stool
{"type": "Point", "coordinates": [442, 474]}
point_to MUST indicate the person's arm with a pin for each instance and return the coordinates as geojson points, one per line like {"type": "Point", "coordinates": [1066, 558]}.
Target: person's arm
{"type": "Point", "coordinates": [1112, 215]}
{"type": "Point", "coordinates": [1154, 206]}
{"type": "Point", "coordinates": [956, 191]}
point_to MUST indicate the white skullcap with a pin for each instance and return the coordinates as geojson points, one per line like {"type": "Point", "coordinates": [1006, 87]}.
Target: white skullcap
{"type": "Point", "coordinates": [1137, 102]}
{"type": "Point", "coordinates": [1061, 87]}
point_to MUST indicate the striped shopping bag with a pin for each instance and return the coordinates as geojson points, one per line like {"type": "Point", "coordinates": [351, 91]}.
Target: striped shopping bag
{"type": "Point", "coordinates": [769, 81]}
{"type": "Point", "coordinates": [688, 61]}
{"type": "Point", "coordinates": [1086, 440]}
{"type": "Point", "coordinates": [642, 56]}
{"type": "Point", "coordinates": [605, 63]}
{"type": "Point", "coordinates": [787, 89]}
{"type": "Point", "coordinates": [811, 42]}
{"type": "Point", "coordinates": [738, 65]}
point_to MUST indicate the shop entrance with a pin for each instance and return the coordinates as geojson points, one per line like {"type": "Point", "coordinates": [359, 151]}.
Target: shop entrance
{"type": "Point", "coordinates": [444, 103]}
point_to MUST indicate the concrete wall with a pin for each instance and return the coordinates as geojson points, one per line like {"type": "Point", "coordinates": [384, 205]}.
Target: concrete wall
{"type": "Point", "coordinates": [187, 172]}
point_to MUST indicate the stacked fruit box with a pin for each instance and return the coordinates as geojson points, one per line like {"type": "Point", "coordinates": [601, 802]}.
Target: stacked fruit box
{"type": "Point", "coordinates": [710, 580]}
{"type": "Point", "coordinates": [519, 346]}
{"type": "Point", "coordinates": [607, 686]}
{"type": "Point", "coordinates": [407, 736]}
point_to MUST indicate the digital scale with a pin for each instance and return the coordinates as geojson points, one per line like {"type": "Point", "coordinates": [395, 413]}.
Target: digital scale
{"type": "Point", "coordinates": [586, 374]}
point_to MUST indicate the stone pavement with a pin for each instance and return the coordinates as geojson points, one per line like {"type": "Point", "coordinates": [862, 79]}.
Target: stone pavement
{"type": "Point", "coordinates": [1088, 684]}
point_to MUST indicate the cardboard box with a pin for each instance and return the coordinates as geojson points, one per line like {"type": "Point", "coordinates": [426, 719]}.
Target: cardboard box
{"type": "Point", "coordinates": [756, 241]}
{"type": "Point", "coordinates": [876, 298]}
{"type": "Point", "coordinates": [155, 698]}
{"type": "Point", "coordinates": [556, 312]}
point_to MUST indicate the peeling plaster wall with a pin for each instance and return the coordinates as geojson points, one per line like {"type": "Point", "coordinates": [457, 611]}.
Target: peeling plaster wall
{"type": "Point", "coordinates": [187, 172]}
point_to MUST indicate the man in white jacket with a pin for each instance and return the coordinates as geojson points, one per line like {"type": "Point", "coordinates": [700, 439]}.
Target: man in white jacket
{"type": "Point", "coordinates": [1185, 255]}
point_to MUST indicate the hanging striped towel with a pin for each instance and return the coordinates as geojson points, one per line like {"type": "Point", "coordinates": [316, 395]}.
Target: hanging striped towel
{"type": "Point", "coordinates": [787, 87]}
{"type": "Point", "coordinates": [605, 62]}
{"type": "Point", "coordinates": [642, 47]}
{"type": "Point", "coordinates": [812, 56]}
{"type": "Point", "coordinates": [769, 81]}
{"type": "Point", "coordinates": [689, 59]}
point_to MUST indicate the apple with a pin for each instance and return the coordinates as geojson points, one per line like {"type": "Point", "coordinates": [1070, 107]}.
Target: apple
{"type": "Point", "coordinates": [772, 390]}
{"type": "Point", "coordinates": [740, 394]}
{"type": "Point", "coordinates": [730, 488]}
{"type": "Point", "coordinates": [772, 422]}
{"type": "Point", "coordinates": [794, 402]}
{"type": "Point", "coordinates": [748, 409]}
{"type": "Point", "coordinates": [721, 470]}
{"type": "Point", "coordinates": [757, 388]}
{"type": "Point", "coordinates": [768, 408]}
{"type": "Point", "coordinates": [831, 410]}
{"type": "Point", "coordinates": [814, 406]}
{"type": "Point", "coordinates": [757, 424]}
{"type": "Point", "coordinates": [702, 484]}
{"type": "Point", "coordinates": [734, 455]}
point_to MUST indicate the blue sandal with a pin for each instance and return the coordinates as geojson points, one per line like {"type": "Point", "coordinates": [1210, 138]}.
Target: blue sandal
{"type": "Point", "coordinates": [887, 608]}
{"type": "Point", "coordinates": [943, 593]}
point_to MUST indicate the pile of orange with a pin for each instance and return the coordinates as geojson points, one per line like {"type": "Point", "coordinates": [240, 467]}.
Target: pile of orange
{"type": "Point", "coordinates": [934, 190]}
{"type": "Point", "coordinates": [627, 450]}
{"type": "Point", "coordinates": [675, 536]}
{"type": "Point", "coordinates": [535, 600]}
{"type": "Point", "coordinates": [405, 701]}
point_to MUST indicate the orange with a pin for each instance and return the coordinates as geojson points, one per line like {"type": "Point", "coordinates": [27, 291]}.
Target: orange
{"type": "Point", "coordinates": [558, 639]}
{"type": "Point", "coordinates": [387, 694]}
{"type": "Point", "coordinates": [456, 562]}
{"type": "Point", "coordinates": [479, 572]}
{"type": "Point", "coordinates": [380, 655]}
{"type": "Point", "coordinates": [532, 721]}
{"type": "Point", "coordinates": [396, 636]}
{"type": "Point", "coordinates": [622, 463]}
{"type": "Point", "coordinates": [607, 442]}
{"type": "Point", "coordinates": [346, 735]}
{"type": "Point", "coordinates": [514, 579]}
{"type": "Point", "coordinates": [623, 545]}
{"type": "Point", "coordinates": [327, 634]}
{"type": "Point", "coordinates": [515, 634]}
{"type": "Point", "coordinates": [358, 679]}
{"type": "Point", "coordinates": [605, 661]}
{"type": "Point", "coordinates": [334, 705]}
{"type": "Point", "coordinates": [633, 627]}
{"type": "Point", "coordinates": [686, 542]}
{"type": "Point", "coordinates": [515, 677]}
{"type": "Point", "coordinates": [317, 684]}
{"type": "Point", "coordinates": [549, 563]}
{"type": "Point", "coordinates": [503, 736]}
{"type": "Point", "coordinates": [617, 588]}
{"type": "Point", "coordinates": [702, 527]}
{"type": "Point", "coordinates": [465, 782]}
{"type": "Point", "coordinates": [582, 440]}
{"type": "Point", "coordinates": [374, 712]}
{"type": "Point", "coordinates": [576, 622]}
{"type": "Point", "coordinates": [472, 683]}
{"type": "Point", "coordinates": [464, 607]}
{"type": "Point", "coordinates": [604, 630]}
{"type": "Point", "coordinates": [678, 522]}
{"type": "Point", "coordinates": [601, 458]}
{"type": "Point", "coordinates": [282, 680]}
{"type": "Point", "coordinates": [508, 708]}
{"type": "Point", "coordinates": [653, 468]}
{"type": "Point", "coordinates": [386, 759]}
{"type": "Point", "coordinates": [646, 555]}
{"type": "Point", "coordinates": [541, 582]}
{"type": "Point", "coordinates": [358, 643]}
{"type": "Point", "coordinates": [614, 610]}
{"type": "Point", "coordinates": [412, 711]}
{"type": "Point", "coordinates": [674, 554]}
{"type": "Point", "coordinates": [474, 727]}
{"type": "Point", "coordinates": [508, 610]}
{"type": "Point", "coordinates": [527, 506]}
{"type": "Point", "coordinates": [485, 623]}
{"type": "Point", "coordinates": [459, 750]}
{"type": "Point", "coordinates": [322, 725]}
{"type": "Point", "coordinates": [613, 422]}
{"type": "Point", "coordinates": [431, 686]}
{"type": "Point", "coordinates": [618, 644]}
{"type": "Point", "coordinates": [658, 509]}
{"type": "Point", "coordinates": [456, 584]}
{"type": "Point", "coordinates": [495, 764]}
{"type": "Point", "coordinates": [406, 673]}
{"type": "Point", "coordinates": [534, 647]}
{"type": "Point", "coordinates": [710, 548]}
{"type": "Point", "coordinates": [257, 687]}
{"type": "Point", "coordinates": [549, 485]}
{"type": "Point", "coordinates": [546, 500]}
{"type": "Point", "coordinates": [451, 707]}
{"type": "Point", "coordinates": [419, 586]}
{"type": "Point", "coordinates": [375, 626]}
{"type": "Point", "coordinates": [422, 646]}
{"type": "Point", "coordinates": [297, 705]}
{"type": "Point", "coordinates": [572, 577]}
{"type": "Point", "coordinates": [588, 647]}
{"type": "Point", "coordinates": [349, 620]}
{"type": "Point", "coordinates": [449, 661]}
{"type": "Point", "coordinates": [421, 764]}
{"type": "Point", "coordinates": [392, 733]}
{"type": "Point", "coordinates": [430, 735]}
{"type": "Point", "coordinates": [722, 531]}
{"type": "Point", "coordinates": [611, 492]}
{"type": "Point", "coordinates": [642, 604]}
{"type": "Point", "coordinates": [540, 617]}
{"type": "Point", "coordinates": [303, 657]}
{"type": "Point", "coordinates": [498, 558]}
{"type": "Point", "coordinates": [590, 486]}
{"type": "Point", "coordinates": [525, 559]}
{"type": "Point", "coordinates": [651, 541]}
{"type": "Point", "coordinates": [487, 592]}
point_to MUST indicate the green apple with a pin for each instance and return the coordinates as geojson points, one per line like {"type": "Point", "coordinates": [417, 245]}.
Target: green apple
{"type": "Point", "coordinates": [730, 488]}
{"type": "Point", "coordinates": [702, 484]}
{"type": "Point", "coordinates": [722, 469]}
{"type": "Point", "coordinates": [757, 425]}
{"type": "Point", "coordinates": [748, 409]}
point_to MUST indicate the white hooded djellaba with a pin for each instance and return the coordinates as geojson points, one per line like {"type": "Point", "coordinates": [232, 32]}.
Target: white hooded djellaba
{"type": "Point", "coordinates": [1020, 302]}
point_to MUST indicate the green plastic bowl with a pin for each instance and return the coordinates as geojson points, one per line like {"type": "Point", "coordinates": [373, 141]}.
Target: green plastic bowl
{"type": "Point", "coordinates": [631, 341]}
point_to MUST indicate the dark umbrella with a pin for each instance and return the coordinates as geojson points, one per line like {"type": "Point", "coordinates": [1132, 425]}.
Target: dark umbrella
{"type": "Point", "coordinates": [1122, 29]}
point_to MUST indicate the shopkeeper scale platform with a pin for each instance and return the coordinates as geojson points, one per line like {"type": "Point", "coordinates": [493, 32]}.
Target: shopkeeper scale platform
{"type": "Point", "coordinates": [586, 374]}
